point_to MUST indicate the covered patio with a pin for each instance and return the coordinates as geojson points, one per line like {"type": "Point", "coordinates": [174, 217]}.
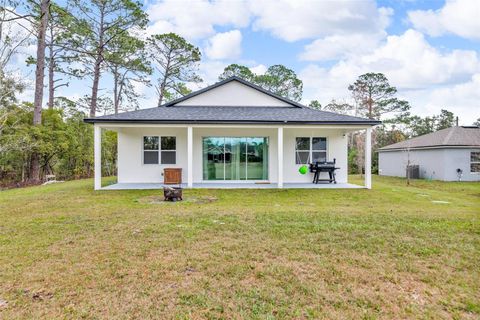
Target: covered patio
{"type": "Point", "coordinates": [232, 134]}
{"type": "Point", "coordinates": [282, 169]}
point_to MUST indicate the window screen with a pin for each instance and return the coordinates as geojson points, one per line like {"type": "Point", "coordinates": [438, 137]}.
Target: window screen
{"type": "Point", "coordinates": [169, 150]}
{"type": "Point", "coordinates": [150, 150]}
{"type": "Point", "coordinates": [310, 150]}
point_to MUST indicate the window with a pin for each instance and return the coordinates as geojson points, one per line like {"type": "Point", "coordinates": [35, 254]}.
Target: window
{"type": "Point", "coordinates": [310, 150]}
{"type": "Point", "coordinates": [159, 150]}
{"type": "Point", "coordinates": [475, 161]}
{"type": "Point", "coordinates": [169, 153]}
{"type": "Point", "coordinates": [150, 150]}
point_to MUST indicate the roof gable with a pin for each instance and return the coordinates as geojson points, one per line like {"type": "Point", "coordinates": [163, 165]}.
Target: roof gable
{"type": "Point", "coordinates": [232, 92]}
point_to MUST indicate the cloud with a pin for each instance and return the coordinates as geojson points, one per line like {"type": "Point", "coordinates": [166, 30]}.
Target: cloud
{"type": "Point", "coordinates": [297, 20]}
{"type": "Point", "coordinates": [463, 99]}
{"type": "Point", "coordinates": [285, 19]}
{"type": "Point", "coordinates": [340, 46]}
{"type": "Point", "coordinates": [259, 69]}
{"type": "Point", "coordinates": [421, 72]}
{"type": "Point", "coordinates": [196, 19]}
{"type": "Point", "coordinates": [460, 17]}
{"type": "Point", "coordinates": [227, 45]}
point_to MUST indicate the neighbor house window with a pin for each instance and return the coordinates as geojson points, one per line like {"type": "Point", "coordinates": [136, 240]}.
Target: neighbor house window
{"type": "Point", "coordinates": [159, 150]}
{"type": "Point", "coordinates": [310, 150]}
{"type": "Point", "coordinates": [475, 161]}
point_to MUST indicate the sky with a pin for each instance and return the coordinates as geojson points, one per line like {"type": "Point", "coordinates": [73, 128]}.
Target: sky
{"type": "Point", "coordinates": [429, 50]}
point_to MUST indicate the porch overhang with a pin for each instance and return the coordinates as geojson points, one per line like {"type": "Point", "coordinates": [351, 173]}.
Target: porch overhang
{"type": "Point", "coordinates": [339, 128]}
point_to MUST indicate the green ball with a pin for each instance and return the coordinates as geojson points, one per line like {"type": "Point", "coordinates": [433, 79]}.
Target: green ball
{"type": "Point", "coordinates": [303, 169]}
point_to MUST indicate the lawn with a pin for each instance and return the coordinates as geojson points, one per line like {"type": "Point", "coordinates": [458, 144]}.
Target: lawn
{"type": "Point", "coordinates": [391, 252]}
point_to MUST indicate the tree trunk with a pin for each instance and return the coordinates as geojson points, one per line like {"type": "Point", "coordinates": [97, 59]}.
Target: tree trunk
{"type": "Point", "coordinates": [51, 74]}
{"type": "Point", "coordinates": [163, 84]}
{"type": "Point", "coordinates": [116, 97]}
{"type": "Point", "coordinates": [40, 69]}
{"type": "Point", "coordinates": [35, 167]}
{"type": "Point", "coordinates": [96, 81]}
{"type": "Point", "coordinates": [39, 77]}
{"type": "Point", "coordinates": [97, 67]}
{"type": "Point", "coordinates": [370, 106]}
{"type": "Point", "coordinates": [161, 92]}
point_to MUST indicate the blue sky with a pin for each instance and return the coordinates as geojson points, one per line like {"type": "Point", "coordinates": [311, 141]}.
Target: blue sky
{"type": "Point", "coordinates": [430, 50]}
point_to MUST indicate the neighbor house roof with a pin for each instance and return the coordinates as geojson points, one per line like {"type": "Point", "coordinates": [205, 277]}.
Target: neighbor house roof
{"type": "Point", "coordinates": [180, 114]}
{"type": "Point", "coordinates": [450, 137]}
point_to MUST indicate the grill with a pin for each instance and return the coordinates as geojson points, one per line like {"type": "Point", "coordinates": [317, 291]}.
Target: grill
{"type": "Point", "coordinates": [328, 167]}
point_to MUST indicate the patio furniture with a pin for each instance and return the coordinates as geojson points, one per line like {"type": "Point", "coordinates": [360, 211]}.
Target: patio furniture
{"type": "Point", "coordinates": [319, 167]}
{"type": "Point", "coordinates": [172, 176]}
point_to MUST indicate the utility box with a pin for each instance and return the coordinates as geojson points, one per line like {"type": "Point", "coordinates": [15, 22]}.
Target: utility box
{"type": "Point", "coordinates": [413, 171]}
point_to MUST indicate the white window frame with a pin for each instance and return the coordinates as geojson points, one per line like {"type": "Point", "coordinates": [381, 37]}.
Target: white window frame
{"type": "Point", "coordinates": [474, 162]}
{"type": "Point", "coordinates": [311, 151]}
{"type": "Point", "coordinates": [159, 150]}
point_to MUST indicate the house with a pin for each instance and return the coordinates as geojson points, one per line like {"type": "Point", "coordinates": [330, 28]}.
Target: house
{"type": "Point", "coordinates": [450, 154]}
{"type": "Point", "coordinates": [230, 134]}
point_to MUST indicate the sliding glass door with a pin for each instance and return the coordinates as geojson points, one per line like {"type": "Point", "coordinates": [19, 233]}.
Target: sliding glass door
{"type": "Point", "coordinates": [235, 158]}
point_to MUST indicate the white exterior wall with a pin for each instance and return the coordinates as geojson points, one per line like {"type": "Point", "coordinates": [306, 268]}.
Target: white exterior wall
{"type": "Point", "coordinates": [234, 94]}
{"type": "Point", "coordinates": [437, 164]}
{"type": "Point", "coordinates": [132, 170]}
{"type": "Point", "coordinates": [336, 148]}
{"type": "Point", "coordinates": [130, 155]}
{"type": "Point", "coordinates": [459, 158]}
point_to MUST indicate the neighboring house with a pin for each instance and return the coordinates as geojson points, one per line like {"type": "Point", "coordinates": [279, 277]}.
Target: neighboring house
{"type": "Point", "coordinates": [450, 154]}
{"type": "Point", "coordinates": [230, 132]}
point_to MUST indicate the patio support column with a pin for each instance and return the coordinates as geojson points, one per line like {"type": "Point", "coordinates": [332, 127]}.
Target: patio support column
{"type": "Point", "coordinates": [190, 157]}
{"type": "Point", "coordinates": [97, 141]}
{"type": "Point", "coordinates": [368, 158]}
{"type": "Point", "coordinates": [280, 157]}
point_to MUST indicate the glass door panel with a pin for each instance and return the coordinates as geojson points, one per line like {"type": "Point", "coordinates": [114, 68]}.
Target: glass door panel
{"type": "Point", "coordinates": [256, 159]}
{"type": "Point", "coordinates": [235, 165]}
{"type": "Point", "coordinates": [235, 158]}
{"type": "Point", "coordinates": [213, 158]}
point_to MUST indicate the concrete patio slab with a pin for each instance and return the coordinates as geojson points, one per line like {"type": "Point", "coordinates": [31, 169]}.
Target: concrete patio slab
{"type": "Point", "coordinates": [214, 185]}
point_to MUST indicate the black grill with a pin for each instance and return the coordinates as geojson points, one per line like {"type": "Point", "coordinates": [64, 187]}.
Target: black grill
{"type": "Point", "coordinates": [328, 167]}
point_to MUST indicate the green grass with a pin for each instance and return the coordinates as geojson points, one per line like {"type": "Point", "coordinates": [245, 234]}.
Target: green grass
{"type": "Point", "coordinates": [69, 252]}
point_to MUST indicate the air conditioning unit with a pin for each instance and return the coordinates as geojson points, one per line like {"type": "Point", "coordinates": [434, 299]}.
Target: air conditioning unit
{"type": "Point", "coordinates": [413, 171]}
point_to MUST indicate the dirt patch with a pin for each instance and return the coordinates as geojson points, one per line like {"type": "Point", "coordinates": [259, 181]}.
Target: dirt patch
{"type": "Point", "coordinates": [161, 201]}
{"type": "Point", "coordinates": [39, 295]}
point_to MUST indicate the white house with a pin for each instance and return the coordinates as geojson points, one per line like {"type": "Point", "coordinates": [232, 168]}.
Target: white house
{"type": "Point", "coordinates": [232, 133]}
{"type": "Point", "coordinates": [450, 154]}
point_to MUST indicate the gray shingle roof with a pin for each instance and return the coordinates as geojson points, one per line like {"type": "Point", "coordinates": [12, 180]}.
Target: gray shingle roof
{"type": "Point", "coordinates": [296, 114]}
{"type": "Point", "coordinates": [259, 115]}
{"type": "Point", "coordinates": [454, 136]}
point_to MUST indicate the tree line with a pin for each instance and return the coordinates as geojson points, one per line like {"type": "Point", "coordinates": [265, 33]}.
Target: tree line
{"type": "Point", "coordinates": [105, 39]}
